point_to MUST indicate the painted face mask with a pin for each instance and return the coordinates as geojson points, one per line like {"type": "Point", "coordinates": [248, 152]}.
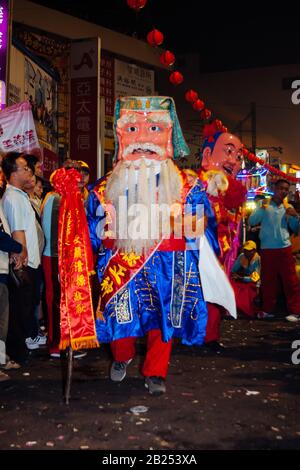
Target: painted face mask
{"type": "Point", "coordinates": [144, 135]}
{"type": "Point", "coordinates": [147, 128]}
{"type": "Point", "coordinates": [226, 156]}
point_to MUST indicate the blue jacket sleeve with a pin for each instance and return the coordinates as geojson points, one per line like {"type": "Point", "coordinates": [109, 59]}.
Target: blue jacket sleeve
{"type": "Point", "coordinates": [256, 217]}
{"type": "Point", "coordinates": [199, 201]}
{"type": "Point", "coordinates": [96, 220]}
{"type": "Point", "coordinates": [8, 244]}
{"type": "Point", "coordinates": [237, 265]}
{"type": "Point", "coordinates": [294, 223]}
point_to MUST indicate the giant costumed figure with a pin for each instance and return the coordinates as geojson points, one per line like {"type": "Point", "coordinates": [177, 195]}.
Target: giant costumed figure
{"type": "Point", "coordinates": [222, 156]}
{"type": "Point", "coordinates": [150, 281]}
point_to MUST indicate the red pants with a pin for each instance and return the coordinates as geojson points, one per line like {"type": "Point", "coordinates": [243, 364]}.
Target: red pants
{"type": "Point", "coordinates": [245, 293]}
{"type": "Point", "coordinates": [278, 269]}
{"type": "Point", "coordinates": [157, 357]}
{"type": "Point", "coordinates": [213, 322]}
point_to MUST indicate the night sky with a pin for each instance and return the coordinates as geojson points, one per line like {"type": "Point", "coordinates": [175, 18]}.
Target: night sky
{"type": "Point", "coordinates": [224, 37]}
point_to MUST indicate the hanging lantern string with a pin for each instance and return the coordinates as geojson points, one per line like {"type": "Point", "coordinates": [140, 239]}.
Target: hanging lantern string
{"type": "Point", "coordinates": [261, 162]}
{"type": "Point", "coordinates": [167, 58]}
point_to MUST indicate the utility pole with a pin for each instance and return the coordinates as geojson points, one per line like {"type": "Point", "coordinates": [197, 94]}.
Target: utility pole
{"type": "Point", "coordinates": [253, 126]}
{"type": "Point", "coordinates": [241, 128]}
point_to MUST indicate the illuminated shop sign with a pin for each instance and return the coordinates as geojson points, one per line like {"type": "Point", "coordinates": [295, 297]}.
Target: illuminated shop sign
{"type": "Point", "coordinates": [4, 23]}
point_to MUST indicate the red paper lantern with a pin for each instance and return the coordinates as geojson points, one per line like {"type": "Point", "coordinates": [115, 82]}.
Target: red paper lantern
{"type": "Point", "coordinates": [191, 96]}
{"type": "Point", "coordinates": [198, 105]}
{"type": "Point", "coordinates": [205, 114]}
{"type": "Point", "coordinates": [176, 78]}
{"type": "Point", "coordinates": [136, 5]}
{"type": "Point", "coordinates": [219, 124]}
{"type": "Point", "coordinates": [167, 58]}
{"type": "Point", "coordinates": [155, 38]}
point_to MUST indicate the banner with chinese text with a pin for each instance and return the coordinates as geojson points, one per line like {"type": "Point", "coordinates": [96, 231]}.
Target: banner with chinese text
{"type": "Point", "coordinates": [17, 130]}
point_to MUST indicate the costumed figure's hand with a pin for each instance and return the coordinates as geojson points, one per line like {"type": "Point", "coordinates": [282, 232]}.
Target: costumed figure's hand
{"type": "Point", "coordinates": [217, 183]}
{"type": "Point", "coordinates": [109, 234]}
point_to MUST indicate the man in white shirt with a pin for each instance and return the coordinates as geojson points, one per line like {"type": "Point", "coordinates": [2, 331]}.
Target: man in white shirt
{"type": "Point", "coordinates": [21, 220]}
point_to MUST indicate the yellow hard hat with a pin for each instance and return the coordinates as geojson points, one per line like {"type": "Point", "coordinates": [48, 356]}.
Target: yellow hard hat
{"type": "Point", "coordinates": [52, 176]}
{"type": "Point", "coordinates": [84, 166]}
{"type": "Point", "coordinates": [249, 245]}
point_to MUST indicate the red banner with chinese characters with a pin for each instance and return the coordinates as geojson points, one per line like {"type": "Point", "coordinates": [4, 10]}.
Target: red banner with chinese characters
{"type": "Point", "coordinates": [77, 325]}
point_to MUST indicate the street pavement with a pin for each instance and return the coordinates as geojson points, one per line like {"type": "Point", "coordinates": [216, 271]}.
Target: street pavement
{"type": "Point", "coordinates": [245, 398]}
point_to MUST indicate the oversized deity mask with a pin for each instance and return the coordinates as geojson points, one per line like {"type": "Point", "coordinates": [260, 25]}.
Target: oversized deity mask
{"type": "Point", "coordinates": [148, 128]}
{"type": "Point", "coordinates": [224, 154]}
{"type": "Point", "coordinates": [144, 135]}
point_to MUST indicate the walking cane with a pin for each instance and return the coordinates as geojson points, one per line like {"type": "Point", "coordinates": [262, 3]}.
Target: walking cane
{"type": "Point", "coordinates": [66, 357]}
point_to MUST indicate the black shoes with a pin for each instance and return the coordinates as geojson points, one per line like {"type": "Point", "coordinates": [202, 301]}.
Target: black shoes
{"type": "Point", "coordinates": [156, 385]}
{"type": "Point", "coordinates": [215, 347]}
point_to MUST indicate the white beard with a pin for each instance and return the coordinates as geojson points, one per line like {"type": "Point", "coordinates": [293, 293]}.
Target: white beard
{"type": "Point", "coordinates": [142, 208]}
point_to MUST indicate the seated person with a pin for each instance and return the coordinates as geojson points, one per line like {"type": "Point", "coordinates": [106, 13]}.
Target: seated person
{"type": "Point", "coordinates": [245, 279]}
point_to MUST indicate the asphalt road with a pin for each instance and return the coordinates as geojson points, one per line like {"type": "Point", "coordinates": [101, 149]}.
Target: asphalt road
{"type": "Point", "coordinates": [246, 398]}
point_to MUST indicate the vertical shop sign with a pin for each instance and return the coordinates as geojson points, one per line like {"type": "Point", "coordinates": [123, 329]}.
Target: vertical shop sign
{"type": "Point", "coordinates": [132, 80]}
{"type": "Point", "coordinates": [4, 49]}
{"type": "Point", "coordinates": [85, 102]}
{"type": "Point", "coordinates": [107, 82]}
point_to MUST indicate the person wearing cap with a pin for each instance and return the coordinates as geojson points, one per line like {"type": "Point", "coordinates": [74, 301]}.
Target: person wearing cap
{"type": "Point", "coordinates": [150, 276]}
{"type": "Point", "coordinates": [246, 279]}
{"type": "Point", "coordinates": [85, 173]}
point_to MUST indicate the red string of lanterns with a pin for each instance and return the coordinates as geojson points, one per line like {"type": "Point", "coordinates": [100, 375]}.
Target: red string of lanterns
{"type": "Point", "coordinates": [277, 172]}
{"type": "Point", "coordinates": [155, 38]}
{"type": "Point", "coordinates": [136, 5]}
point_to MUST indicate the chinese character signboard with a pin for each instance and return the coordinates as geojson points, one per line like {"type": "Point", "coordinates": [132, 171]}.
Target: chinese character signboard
{"type": "Point", "coordinates": [17, 130]}
{"type": "Point", "coordinates": [4, 49]}
{"type": "Point", "coordinates": [50, 162]}
{"type": "Point", "coordinates": [107, 90]}
{"type": "Point", "coordinates": [107, 82]}
{"type": "Point", "coordinates": [133, 80]}
{"type": "Point", "coordinates": [85, 102]}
